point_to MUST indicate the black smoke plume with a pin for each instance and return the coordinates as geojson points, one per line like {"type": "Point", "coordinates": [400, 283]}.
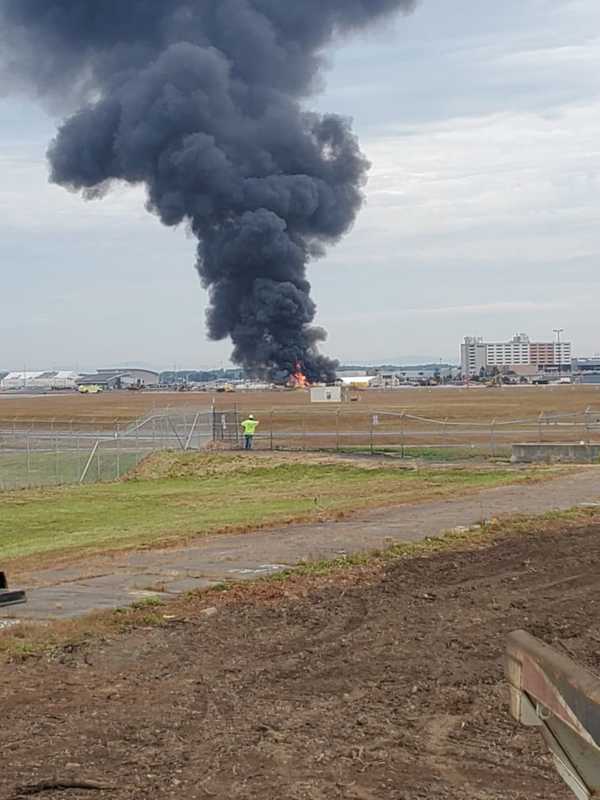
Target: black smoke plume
{"type": "Point", "coordinates": [202, 101]}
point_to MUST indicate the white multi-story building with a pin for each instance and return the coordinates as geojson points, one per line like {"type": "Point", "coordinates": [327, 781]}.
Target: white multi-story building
{"type": "Point", "coordinates": [509, 354]}
{"type": "Point", "coordinates": [520, 354]}
{"type": "Point", "coordinates": [473, 355]}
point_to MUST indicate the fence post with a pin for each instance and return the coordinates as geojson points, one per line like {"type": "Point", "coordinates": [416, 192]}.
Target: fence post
{"type": "Point", "coordinates": [493, 438]}
{"type": "Point", "coordinates": [28, 459]}
{"type": "Point", "coordinates": [588, 429]}
{"type": "Point", "coordinates": [402, 435]}
{"type": "Point", "coordinates": [303, 433]}
{"type": "Point", "coordinates": [174, 429]}
{"type": "Point", "coordinates": [337, 429]}
{"type": "Point", "coordinates": [89, 461]}
{"type": "Point", "coordinates": [56, 460]}
{"type": "Point", "coordinates": [371, 431]}
{"type": "Point", "coordinates": [271, 420]}
{"type": "Point", "coordinates": [191, 433]}
{"type": "Point", "coordinates": [117, 432]}
{"type": "Point", "coordinates": [540, 419]}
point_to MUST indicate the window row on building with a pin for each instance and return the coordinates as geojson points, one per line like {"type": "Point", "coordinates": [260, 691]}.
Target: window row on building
{"type": "Point", "coordinates": [520, 354]}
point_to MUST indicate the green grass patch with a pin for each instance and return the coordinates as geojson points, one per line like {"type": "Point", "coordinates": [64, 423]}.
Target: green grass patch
{"type": "Point", "coordinates": [240, 496]}
{"type": "Point", "coordinates": [45, 468]}
{"type": "Point", "coordinates": [452, 454]}
{"type": "Point", "coordinates": [444, 455]}
{"type": "Point", "coordinates": [148, 602]}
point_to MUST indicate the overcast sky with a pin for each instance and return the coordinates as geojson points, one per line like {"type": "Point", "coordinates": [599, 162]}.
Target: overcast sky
{"type": "Point", "coordinates": [482, 122]}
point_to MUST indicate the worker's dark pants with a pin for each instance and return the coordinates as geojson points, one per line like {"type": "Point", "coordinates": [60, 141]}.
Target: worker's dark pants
{"type": "Point", "coordinates": [248, 442]}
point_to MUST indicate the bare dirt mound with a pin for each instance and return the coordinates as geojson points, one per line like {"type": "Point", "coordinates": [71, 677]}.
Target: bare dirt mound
{"type": "Point", "coordinates": [383, 684]}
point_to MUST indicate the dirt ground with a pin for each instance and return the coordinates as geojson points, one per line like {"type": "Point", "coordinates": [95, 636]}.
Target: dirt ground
{"type": "Point", "coordinates": [379, 683]}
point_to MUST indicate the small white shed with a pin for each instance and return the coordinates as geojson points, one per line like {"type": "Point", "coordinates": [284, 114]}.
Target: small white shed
{"type": "Point", "coordinates": [326, 394]}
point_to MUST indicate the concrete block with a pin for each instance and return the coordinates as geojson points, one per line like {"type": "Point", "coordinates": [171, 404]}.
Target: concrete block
{"type": "Point", "coordinates": [555, 453]}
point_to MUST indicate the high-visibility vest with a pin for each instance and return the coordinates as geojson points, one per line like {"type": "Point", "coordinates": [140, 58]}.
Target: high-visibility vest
{"type": "Point", "coordinates": [250, 426]}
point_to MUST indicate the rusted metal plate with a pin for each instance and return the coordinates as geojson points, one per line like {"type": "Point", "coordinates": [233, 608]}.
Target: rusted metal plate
{"type": "Point", "coordinates": [557, 683]}
{"type": "Point", "coordinates": [552, 692]}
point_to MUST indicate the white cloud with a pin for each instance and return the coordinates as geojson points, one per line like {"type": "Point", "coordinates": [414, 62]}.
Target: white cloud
{"type": "Point", "coordinates": [30, 203]}
{"type": "Point", "coordinates": [506, 186]}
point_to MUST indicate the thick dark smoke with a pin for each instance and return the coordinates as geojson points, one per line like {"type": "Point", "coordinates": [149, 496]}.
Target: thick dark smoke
{"type": "Point", "coordinates": [201, 101]}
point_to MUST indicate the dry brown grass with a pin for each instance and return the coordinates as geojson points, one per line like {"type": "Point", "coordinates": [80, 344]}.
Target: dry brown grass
{"type": "Point", "coordinates": [473, 404]}
{"type": "Point", "coordinates": [289, 420]}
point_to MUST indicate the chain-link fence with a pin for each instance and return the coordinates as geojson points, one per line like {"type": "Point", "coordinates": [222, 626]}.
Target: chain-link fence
{"type": "Point", "coordinates": [351, 429]}
{"type": "Point", "coordinates": [41, 453]}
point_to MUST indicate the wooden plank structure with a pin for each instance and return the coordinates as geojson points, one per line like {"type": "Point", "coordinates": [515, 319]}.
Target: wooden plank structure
{"type": "Point", "coordinates": [551, 692]}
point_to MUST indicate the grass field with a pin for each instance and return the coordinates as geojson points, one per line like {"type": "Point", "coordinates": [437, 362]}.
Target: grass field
{"type": "Point", "coordinates": [176, 497]}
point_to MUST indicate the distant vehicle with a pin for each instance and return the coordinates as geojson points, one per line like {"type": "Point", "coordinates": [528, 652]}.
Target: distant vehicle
{"type": "Point", "coordinates": [92, 389]}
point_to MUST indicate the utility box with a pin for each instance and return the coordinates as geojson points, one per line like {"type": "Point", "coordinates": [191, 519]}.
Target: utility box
{"type": "Point", "coordinates": [326, 394]}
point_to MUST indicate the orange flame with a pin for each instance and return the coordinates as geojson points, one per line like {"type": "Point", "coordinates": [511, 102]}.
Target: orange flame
{"type": "Point", "coordinates": [298, 379]}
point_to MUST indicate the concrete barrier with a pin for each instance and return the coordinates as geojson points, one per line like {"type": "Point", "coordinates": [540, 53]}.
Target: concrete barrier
{"type": "Point", "coordinates": [540, 453]}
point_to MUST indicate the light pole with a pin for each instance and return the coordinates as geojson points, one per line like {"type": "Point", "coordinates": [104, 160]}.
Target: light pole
{"type": "Point", "coordinates": [558, 332]}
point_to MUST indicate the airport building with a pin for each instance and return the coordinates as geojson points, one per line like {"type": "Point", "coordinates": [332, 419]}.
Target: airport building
{"type": "Point", "coordinates": [120, 378]}
{"type": "Point", "coordinates": [587, 370]}
{"type": "Point", "coordinates": [65, 379]}
{"type": "Point", "coordinates": [40, 380]}
{"type": "Point", "coordinates": [520, 355]}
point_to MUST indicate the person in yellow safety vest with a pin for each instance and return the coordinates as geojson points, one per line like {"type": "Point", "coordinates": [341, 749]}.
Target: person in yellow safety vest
{"type": "Point", "coordinates": [249, 427]}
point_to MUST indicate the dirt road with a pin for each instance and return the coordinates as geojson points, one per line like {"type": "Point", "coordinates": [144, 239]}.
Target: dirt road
{"type": "Point", "coordinates": [120, 579]}
{"type": "Point", "coordinates": [385, 685]}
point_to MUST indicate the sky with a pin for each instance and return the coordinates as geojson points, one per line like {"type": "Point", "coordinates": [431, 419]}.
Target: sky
{"type": "Point", "coordinates": [482, 124]}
